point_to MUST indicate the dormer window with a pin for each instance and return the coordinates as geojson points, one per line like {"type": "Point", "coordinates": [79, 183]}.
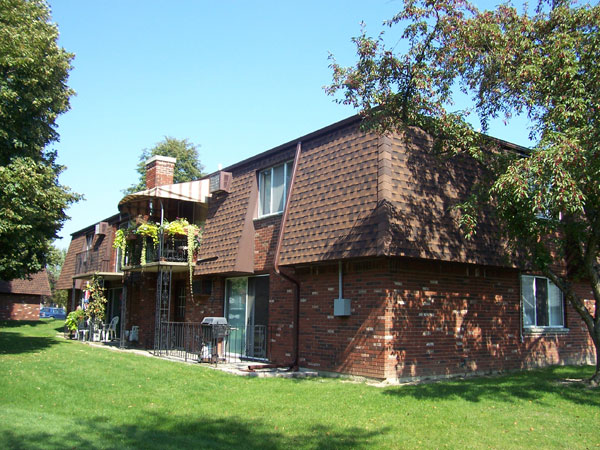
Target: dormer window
{"type": "Point", "coordinates": [273, 185]}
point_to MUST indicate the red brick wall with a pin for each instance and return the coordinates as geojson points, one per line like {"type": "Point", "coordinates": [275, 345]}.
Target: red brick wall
{"type": "Point", "coordinates": [19, 307]}
{"type": "Point", "coordinates": [206, 305]}
{"type": "Point", "coordinates": [265, 243]}
{"type": "Point", "coordinates": [353, 344]}
{"type": "Point", "coordinates": [454, 318]}
{"type": "Point", "coordinates": [410, 318]}
{"type": "Point", "coordinates": [282, 328]}
{"type": "Point", "coordinates": [419, 319]}
{"type": "Point", "coordinates": [141, 307]}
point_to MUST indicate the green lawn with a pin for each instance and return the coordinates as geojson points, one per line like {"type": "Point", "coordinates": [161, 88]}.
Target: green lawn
{"type": "Point", "coordinates": [63, 394]}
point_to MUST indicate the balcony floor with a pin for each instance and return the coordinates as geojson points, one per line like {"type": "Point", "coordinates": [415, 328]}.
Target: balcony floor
{"type": "Point", "coordinates": [105, 275]}
{"type": "Point", "coordinates": [154, 266]}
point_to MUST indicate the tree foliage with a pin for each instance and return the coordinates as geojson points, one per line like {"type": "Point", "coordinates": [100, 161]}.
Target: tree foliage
{"type": "Point", "coordinates": [187, 166]}
{"type": "Point", "coordinates": [542, 66]}
{"type": "Point", "coordinates": [54, 262]}
{"type": "Point", "coordinates": [33, 93]}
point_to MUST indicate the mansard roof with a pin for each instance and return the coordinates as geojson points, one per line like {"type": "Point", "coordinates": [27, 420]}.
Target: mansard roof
{"type": "Point", "coordinates": [356, 194]}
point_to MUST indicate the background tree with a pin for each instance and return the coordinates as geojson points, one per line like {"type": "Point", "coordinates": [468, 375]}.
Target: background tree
{"type": "Point", "coordinates": [54, 262]}
{"type": "Point", "coordinates": [33, 92]}
{"type": "Point", "coordinates": [187, 166]}
{"type": "Point", "coordinates": [543, 66]}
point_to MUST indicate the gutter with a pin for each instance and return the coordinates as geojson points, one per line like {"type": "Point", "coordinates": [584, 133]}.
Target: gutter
{"type": "Point", "coordinates": [296, 283]}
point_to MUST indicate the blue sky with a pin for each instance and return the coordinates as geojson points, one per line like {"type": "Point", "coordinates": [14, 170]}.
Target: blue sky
{"type": "Point", "coordinates": [234, 77]}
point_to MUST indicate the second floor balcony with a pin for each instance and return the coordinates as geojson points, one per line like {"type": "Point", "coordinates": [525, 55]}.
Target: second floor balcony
{"type": "Point", "coordinates": [147, 245]}
{"type": "Point", "coordinates": [92, 261]}
{"type": "Point", "coordinates": [142, 251]}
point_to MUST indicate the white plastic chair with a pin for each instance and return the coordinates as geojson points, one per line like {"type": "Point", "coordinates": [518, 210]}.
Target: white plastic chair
{"type": "Point", "coordinates": [134, 334]}
{"type": "Point", "coordinates": [96, 331]}
{"type": "Point", "coordinates": [111, 331]}
{"type": "Point", "coordinates": [82, 330]}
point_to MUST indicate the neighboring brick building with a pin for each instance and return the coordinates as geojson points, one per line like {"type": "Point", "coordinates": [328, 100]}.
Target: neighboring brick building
{"type": "Point", "coordinates": [20, 299]}
{"type": "Point", "coordinates": [371, 215]}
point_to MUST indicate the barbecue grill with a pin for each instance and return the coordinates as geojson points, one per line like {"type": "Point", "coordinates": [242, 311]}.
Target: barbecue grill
{"type": "Point", "coordinates": [214, 331]}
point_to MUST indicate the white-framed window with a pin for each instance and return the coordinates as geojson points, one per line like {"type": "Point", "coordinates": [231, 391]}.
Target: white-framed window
{"type": "Point", "coordinates": [542, 303]}
{"type": "Point", "coordinates": [273, 185]}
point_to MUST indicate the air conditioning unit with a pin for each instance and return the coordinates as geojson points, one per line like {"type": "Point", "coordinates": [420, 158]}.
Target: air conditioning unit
{"type": "Point", "coordinates": [220, 182]}
{"type": "Point", "coordinates": [101, 228]}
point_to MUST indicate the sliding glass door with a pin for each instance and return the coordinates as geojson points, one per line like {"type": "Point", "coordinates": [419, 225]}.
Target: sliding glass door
{"type": "Point", "coordinates": [246, 310]}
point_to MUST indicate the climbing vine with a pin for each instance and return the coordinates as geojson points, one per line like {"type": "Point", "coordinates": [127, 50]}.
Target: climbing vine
{"type": "Point", "coordinates": [96, 307]}
{"type": "Point", "coordinates": [120, 242]}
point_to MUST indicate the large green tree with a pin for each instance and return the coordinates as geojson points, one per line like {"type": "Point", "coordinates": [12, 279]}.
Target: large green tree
{"type": "Point", "coordinates": [187, 166]}
{"type": "Point", "coordinates": [33, 93]}
{"type": "Point", "coordinates": [542, 66]}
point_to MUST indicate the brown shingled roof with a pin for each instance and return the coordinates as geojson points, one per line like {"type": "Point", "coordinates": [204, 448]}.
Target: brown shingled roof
{"type": "Point", "coordinates": [423, 192]}
{"type": "Point", "coordinates": [65, 280]}
{"type": "Point", "coordinates": [335, 195]}
{"type": "Point", "coordinates": [356, 194]}
{"type": "Point", "coordinates": [37, 285]}
{"type": "Point", "coordinates": [228, 236]}
{"type": "Point", "coordinates": [101, 243]}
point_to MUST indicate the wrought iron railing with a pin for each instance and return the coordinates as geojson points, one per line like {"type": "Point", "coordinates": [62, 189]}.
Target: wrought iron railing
{"type": "Point", "coordinates": [198, 342]}
{"type": "Point", "coordinates": [173, 250]}
{"type": "Point", "coordinates": [91, 261]}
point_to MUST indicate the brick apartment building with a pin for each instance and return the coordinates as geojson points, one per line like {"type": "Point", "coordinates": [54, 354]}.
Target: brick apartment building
{"type": "Point", "coordinates": [339, 252]}
{"type": "Point", "coordinates": [20, 299]}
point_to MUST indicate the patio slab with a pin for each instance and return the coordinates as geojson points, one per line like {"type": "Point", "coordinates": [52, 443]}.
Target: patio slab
{"type": "Point", "coordinates": [235, 368]}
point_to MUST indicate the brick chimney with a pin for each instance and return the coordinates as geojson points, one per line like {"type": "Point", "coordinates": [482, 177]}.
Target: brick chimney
{"type": "Point", "coordinates": [159, 171]}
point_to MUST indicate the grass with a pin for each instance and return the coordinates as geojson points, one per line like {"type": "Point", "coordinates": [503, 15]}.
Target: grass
{"type": "Point", "coordinates": [63, 394]}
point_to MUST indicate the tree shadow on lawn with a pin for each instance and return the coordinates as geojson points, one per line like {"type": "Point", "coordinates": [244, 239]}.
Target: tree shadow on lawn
{"type": "Point", "coordinates": [528, 385]}
{"type": "Point", "coordinates": [20, 323]}
{"type": "Point", "coordinates": [162, 432]}
{"type": "Point", "coordinates": [15, 343]}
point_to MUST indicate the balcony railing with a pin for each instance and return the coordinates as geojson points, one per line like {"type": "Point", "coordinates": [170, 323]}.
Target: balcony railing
{"type": "Point", "coordinates": [91, 261]}
{"type": "Point", "coordinates": [173, 250]}
{"type": "Point", "coordinates": [194, 341]}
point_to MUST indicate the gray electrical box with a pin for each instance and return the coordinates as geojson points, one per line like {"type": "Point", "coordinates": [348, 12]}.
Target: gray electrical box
{"type": "Point", "coordinates": [341, 307]}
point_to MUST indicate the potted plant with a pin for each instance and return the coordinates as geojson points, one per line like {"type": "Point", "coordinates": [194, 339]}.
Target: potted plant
{"type": "Point", "coordinates": [73, 320]}
{"type": "Point", "coordinates": [145, 230]}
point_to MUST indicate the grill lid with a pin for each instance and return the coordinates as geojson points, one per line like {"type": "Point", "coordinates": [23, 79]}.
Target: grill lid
{"type": "Point", "coordinates": [214, 321]}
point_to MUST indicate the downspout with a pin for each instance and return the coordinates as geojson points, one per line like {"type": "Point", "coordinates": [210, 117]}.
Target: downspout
{"type": "Point", "coordinates": [340, 296]}
{"type": "Point", "coordinates": [294, 365]}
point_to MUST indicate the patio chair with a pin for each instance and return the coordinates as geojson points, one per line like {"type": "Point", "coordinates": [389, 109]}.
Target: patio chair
{"type": "Point", "coordinates": [97, 331]}
{"type": "Point", "coordinates": [134, 333]}
{"type": "Point", "coordinates": [111, 331]}
{"type": "Point", "coordinates": [82, 331]}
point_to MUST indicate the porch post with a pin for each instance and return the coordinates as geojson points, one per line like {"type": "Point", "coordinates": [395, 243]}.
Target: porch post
{"type": "Point", "coordinates": [122, 341]}
{"type": "Point", "coordinates": [73, 297]}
